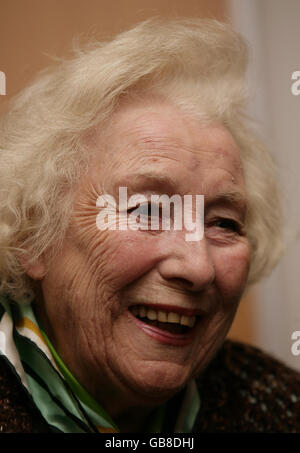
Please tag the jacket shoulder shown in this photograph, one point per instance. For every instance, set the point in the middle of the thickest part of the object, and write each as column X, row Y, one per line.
column 18, row 413
column 246, row 390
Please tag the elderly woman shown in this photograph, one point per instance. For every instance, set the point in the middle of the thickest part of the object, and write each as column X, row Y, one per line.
column 110, row 324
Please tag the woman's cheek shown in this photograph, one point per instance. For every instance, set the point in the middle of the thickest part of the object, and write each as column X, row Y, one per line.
column 130, row 255
column 231, row 269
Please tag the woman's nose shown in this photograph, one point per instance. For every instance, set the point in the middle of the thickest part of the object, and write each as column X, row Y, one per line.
column 188, row 264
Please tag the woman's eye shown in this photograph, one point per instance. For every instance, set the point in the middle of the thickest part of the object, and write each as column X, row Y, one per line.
column 147, row 210
column 147, row 215
column 228, row 224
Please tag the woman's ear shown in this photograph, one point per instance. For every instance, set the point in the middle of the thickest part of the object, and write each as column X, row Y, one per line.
column 33, row 267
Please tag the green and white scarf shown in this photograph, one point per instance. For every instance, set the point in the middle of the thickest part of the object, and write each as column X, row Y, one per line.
column 63, row 402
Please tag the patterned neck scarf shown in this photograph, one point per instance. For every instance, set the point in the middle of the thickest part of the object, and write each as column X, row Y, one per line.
column 61, row 399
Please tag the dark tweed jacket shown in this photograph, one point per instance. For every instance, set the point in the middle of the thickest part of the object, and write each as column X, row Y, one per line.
column 242, row 390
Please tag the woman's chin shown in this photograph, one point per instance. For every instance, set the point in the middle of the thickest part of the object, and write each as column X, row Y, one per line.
column 159, row 380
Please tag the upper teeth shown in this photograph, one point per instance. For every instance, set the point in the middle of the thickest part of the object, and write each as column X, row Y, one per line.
column 163, row 316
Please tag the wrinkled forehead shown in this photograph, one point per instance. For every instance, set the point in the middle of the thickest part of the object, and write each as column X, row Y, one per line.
column 158, row 133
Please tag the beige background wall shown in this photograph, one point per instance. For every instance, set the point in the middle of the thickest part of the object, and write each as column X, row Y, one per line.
column 33, row 30
column 30, row 30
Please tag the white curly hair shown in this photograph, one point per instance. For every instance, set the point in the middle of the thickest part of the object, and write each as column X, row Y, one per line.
column 199, row 65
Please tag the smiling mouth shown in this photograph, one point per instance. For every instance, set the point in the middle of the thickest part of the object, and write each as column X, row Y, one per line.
column 166, row 320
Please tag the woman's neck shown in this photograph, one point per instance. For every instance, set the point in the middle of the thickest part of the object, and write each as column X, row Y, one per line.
column 134, row 420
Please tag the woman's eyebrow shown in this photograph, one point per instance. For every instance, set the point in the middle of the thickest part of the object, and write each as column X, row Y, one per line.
column 234, row 199
column 150, row 181
column 140, row 181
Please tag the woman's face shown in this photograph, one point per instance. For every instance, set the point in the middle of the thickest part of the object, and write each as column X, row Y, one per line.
column 99, row 276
